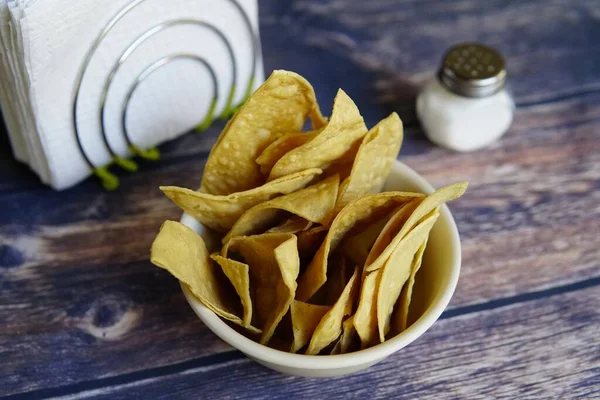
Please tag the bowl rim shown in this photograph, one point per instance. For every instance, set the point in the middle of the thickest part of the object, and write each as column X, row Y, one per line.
column 369, row 355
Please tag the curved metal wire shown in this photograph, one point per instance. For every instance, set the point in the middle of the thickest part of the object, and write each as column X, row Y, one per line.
column 255, row 47
column 109, row 180
column 149, row 71
column 128, row 164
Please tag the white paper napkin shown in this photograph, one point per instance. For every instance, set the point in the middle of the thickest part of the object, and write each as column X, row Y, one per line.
column 43, row 47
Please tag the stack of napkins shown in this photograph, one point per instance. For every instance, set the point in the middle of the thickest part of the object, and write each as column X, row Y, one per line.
column 156, row 68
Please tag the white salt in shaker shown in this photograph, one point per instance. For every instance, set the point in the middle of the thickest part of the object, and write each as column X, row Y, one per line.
column 466, row 106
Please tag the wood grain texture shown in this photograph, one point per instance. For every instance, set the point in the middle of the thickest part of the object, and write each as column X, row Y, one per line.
column 548, row 348
column 80, row 303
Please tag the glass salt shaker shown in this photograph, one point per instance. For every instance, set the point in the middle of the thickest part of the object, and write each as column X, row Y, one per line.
column 466, row 107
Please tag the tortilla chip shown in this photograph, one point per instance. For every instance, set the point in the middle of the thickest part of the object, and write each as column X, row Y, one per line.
column 368, row 208
column 357, row 245
column 305, row 318
column 180, row 250
column 314, row 203
column 428, row 204
column 330, row 326
column 390, row 230
column 396, row 272
column 343, row 165
column 400, row 313
column 239, row 277
column 374, row 161
column 221, row 212
column 281, row 104
column 345, row 127
column 269, row 157
column 310, row 240
column 365, row 318
column 273, row 264
column 294, row 224
column 347, row 337
column 337, row 346
column 340, row 272
column 338, row 279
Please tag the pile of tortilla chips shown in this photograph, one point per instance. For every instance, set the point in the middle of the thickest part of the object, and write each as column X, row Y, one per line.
column 314, row 258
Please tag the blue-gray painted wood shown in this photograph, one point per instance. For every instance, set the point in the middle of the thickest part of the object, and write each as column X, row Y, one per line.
column 539, row 349
column 81, row 308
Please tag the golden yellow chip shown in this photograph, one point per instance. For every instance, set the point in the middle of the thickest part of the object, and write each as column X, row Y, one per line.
column 396, row 272
column 239, row 277
column 310, row 240
column 374, row 160
column 314, row 203
column 269, row 157
column 179, row 250
column 340, row 272
column 294, row 224
column 340, row 275
column 365, row 318
column 345, row 127
column 330, row 327
column 391, row 229
column 357, row 245
column 431, row 202
column 221, row 212
column 400, row 314
column 325, row 268
column 273, row 264
column 368, row 208
column 343, row 165
column 345, row 340
column 280, row 105
column 305, row 318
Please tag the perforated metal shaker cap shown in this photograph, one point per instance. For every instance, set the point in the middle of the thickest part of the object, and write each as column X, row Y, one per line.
column 472, row 70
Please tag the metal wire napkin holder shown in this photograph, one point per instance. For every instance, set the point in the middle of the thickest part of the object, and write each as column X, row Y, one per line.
column 108, row 179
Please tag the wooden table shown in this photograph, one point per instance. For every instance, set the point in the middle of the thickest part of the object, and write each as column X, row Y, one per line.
column 83, row 312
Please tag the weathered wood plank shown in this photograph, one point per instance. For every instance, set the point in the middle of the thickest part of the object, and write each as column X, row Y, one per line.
column 527, row 221
column 519, row 186
column 113, row 318
column 547, row 348
column 382, row 51
column 79, row 301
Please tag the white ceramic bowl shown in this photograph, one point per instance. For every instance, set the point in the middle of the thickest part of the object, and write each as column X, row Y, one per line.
column 434, row 286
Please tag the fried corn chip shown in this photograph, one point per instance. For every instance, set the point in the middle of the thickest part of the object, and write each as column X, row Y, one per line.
column 400, row 314
column 305, row 318
column 273, row 264
column 337, row 282
column 180, row 250
column 358, row 245
column 221, row 212
column 340, row 272
column 361, row 210
column 359, row 250
column 345, row 340
column 294, row 224
column 310, row 240
column 314, row 203
column 343, row 165
column 330, row 327
column 345, row 127
column 239, row 277
column 431, row 202
column 391, row 229
column 273, row 153
column 365, row 318
column 280, row 105
column 374, row 160
column 396, row 272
